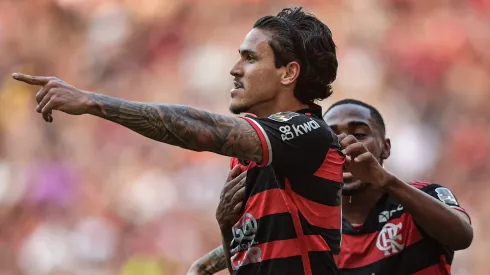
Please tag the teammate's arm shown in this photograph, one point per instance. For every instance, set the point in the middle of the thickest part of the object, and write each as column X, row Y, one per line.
column 448, row 226
column 213, row 262
column 230, row 208
column 177, row 125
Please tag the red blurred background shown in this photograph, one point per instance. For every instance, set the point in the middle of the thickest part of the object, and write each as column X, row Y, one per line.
column 84, row 196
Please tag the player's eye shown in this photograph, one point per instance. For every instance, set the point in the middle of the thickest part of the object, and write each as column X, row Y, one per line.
column 359, row 136
column 250, row 58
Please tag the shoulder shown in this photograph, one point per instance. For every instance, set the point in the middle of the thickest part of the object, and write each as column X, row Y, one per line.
column 428, row 187
column 295, row 118
column 285, row 116
column 421, row 184
column 300, row 125
column 437, row 191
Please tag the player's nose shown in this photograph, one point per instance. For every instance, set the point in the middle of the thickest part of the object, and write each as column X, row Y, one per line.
column 237, row 70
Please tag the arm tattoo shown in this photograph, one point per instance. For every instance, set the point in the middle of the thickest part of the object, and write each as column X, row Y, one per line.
column 213, row 262
column 183, row 126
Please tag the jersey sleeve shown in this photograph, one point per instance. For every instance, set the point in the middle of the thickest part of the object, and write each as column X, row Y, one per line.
column 444, row 195
column 233, row 162
column 290, row 140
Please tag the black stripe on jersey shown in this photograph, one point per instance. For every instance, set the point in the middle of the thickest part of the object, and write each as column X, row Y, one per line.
column 331, row 236
column 323, row 191
column 280, row 266
column 262, row 179
column 416, row 257
column 275, row 228
column 322, row 261
column 372, row 224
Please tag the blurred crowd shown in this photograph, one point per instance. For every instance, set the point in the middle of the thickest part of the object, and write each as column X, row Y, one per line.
column 85, row 196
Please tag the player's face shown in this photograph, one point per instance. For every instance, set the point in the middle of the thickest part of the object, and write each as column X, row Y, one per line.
column 256, row 79
column 357, row 121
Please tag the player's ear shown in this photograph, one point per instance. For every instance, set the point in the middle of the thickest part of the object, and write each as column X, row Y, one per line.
column 290, row 73
column 385, row 153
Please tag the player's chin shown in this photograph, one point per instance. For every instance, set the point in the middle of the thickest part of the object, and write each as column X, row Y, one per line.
column 354, row 187
column 237, row 106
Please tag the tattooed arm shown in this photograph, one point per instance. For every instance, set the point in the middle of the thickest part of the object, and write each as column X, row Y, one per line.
column 182, row 126
column 210, row 263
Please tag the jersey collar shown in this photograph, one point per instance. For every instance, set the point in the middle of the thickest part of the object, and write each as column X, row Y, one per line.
column 371, row 223
column 312, row 110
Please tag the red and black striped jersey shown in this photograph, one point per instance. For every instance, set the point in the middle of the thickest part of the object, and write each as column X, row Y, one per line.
column 292, row 216
column 391, row 242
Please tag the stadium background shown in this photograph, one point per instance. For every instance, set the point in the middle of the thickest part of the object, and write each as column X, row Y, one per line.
column 84, row 196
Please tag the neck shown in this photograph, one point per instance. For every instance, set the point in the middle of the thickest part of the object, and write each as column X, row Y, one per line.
column 356, row 208
column 276, row 105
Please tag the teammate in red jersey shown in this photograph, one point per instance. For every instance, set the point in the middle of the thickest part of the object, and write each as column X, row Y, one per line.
column 389, row 226
column 286, row 63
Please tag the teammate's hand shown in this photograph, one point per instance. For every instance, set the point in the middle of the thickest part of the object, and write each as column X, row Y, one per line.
column 231, row 199
column 361, row 163
column 56, row 95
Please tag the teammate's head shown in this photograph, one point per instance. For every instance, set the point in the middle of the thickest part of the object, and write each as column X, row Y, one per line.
column 354, row 117
column 290, row 55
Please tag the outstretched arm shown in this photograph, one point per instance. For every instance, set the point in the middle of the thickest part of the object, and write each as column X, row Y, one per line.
column 178, row 125
column 182, row 126
column 213, row 262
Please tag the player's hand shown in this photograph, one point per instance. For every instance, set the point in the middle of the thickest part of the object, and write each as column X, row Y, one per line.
column 56, row 95
column 361, row 163
column 231, row 199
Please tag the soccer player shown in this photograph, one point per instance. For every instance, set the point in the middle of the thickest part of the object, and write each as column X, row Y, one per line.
column 389, row 226
column 292, row 219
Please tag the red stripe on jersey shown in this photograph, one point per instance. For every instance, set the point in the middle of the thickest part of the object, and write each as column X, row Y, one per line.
column 461, row 210
column 420, row 184
column 263, row 141
column 315, row 243
column 317, row 214
column 234, row 162
column 277, row 249
column 442, row 268
column 293, row 206
column 266, row 203
column 363, row 249
column 332, row 166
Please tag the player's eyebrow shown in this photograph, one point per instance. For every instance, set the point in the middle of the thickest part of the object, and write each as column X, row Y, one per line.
column 247, row 52
column 358, row 123
column 355, row 123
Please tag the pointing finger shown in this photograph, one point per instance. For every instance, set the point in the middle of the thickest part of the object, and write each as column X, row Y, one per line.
column 33, row 80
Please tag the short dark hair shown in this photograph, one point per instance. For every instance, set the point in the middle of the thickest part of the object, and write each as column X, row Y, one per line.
column 301, row 37
column 374, row 112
